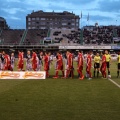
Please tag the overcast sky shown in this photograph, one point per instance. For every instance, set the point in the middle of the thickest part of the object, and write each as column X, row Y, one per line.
column 105, row 12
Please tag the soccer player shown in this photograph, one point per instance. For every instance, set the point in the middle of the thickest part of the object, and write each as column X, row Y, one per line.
column 108, row 59
column 28, row 62
column 40, row 57
column 80, row 65
column 20, row 60
column 12, row 58
column 70, row 64
column 89, row 65
column 103, row 65
column 50, row 59
column 7, row 65
column 96, row 64
column 66, row 65
column 2, row 60
column 59, row 65
column 34, row 60
column 118, row 64
column 46, row 63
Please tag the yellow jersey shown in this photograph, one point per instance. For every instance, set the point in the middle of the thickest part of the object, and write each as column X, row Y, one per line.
column 97, row 59
column 108, row 57
column 118, row 58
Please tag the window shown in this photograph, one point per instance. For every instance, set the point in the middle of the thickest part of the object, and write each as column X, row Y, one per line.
column 33, row 23
column 33, row 27
column 37, row 18
column 33, row 18
column 77, row 24
column 42, row 18
column 42, row 27
column 29, row 23
column 73, row 23
column 77, row 20
column 69, row 23
column 42, row 23
column 29, row 19
column 64, row 24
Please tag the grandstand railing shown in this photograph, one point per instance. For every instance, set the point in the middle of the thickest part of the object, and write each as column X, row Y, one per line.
column 23, row 37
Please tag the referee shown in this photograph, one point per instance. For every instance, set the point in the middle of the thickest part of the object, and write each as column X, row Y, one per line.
column 108, row 59
column 118, row 64
column 97, row 64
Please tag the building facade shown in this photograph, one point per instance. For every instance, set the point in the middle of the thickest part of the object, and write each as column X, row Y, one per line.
column 3, row 23
column 49, row 20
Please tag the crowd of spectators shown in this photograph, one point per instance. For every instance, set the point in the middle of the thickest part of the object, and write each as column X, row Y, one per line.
column 100, row 35
column 97, row 35
column 91, row 35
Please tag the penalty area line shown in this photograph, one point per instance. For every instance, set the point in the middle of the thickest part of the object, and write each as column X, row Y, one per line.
column 114, row 82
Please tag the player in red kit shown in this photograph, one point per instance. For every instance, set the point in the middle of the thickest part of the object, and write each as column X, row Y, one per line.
column 46, row 64
column 69, row 64
column 20, row 60
column 7, row 65
column 34, row 60
column 59, row 65
column 89, row 65
column 80, row 65
column 103, row 66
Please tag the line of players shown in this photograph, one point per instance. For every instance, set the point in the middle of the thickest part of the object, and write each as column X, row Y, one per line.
column 36, row 61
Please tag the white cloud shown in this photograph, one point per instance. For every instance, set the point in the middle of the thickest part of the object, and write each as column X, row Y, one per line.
column 15, row 18
column 12, row 0
column 12, row 10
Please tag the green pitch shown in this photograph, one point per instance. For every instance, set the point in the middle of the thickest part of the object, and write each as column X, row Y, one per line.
column 60, row 99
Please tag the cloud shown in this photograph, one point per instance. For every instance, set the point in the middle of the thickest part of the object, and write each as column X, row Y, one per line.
column 100, row 18
column 109, row 5
column 100, row 10
column 12, row 10
column 15, row 18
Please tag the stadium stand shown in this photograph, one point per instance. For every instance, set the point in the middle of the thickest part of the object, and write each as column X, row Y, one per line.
column 100, row 35
column 96, row 36
column 35, row 36
column 11, row 36
column 67, row 36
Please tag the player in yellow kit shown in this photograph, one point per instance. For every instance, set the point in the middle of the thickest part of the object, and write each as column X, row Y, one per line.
column 97, row 64
column 108, row 59
column 118, row 64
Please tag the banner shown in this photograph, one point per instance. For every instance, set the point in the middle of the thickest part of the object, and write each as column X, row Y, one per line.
column 85, row 47
column 116, row 47
column 22, row 75
column 101, row 47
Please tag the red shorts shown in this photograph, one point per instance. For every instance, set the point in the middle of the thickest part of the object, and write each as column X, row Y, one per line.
column 34, row 67
column 103, row 67
column 88, row 68
column 80, row 68
column 8, row 67
column 46, row 67
column 60, row 67
column 20, row 66
column 69, row 67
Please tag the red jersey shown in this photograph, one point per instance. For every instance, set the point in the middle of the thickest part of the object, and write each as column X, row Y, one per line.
column 89, row 60
column 20, row 57
column 70, row 59
column 103, row 59
column 46, row 60
column 60, row 60
column 80, row 59
column 34, row 58
column 7, row 60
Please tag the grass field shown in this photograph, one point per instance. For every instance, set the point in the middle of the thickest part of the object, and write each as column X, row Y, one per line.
column 60, row 99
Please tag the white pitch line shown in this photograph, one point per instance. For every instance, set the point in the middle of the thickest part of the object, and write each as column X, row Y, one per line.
column 114, row 83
